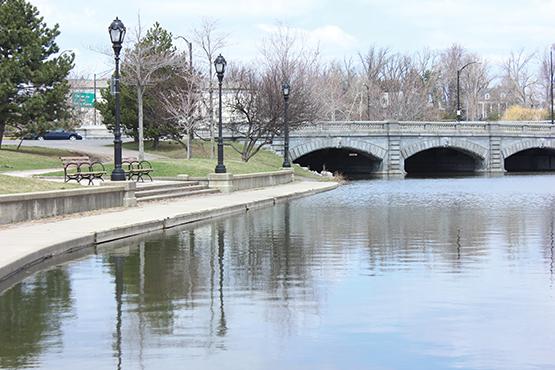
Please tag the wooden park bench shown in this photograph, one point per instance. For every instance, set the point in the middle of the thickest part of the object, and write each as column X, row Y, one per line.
column 136, row 169
column 79, row 168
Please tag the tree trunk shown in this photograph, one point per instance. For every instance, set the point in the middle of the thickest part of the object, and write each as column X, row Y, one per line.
column 156, row 142
column 188, row 145
column 191, row 138
column 2, row 127
column 245, row 151
column 140, row 129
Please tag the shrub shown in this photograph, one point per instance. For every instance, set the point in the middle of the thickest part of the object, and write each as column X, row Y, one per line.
column 519, row 113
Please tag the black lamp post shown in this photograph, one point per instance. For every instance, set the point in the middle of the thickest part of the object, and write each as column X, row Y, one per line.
column 285, row 89
column 459, row 113
column 220, row 64
column 117, row 34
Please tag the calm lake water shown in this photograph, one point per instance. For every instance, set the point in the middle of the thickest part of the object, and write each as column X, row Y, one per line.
column 408, row 274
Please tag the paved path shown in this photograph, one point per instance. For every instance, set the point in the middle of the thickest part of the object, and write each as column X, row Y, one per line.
column 22, row 245
column 31, row 173
column 100, row 148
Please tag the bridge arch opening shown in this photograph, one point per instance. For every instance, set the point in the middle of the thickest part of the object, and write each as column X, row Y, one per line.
column 351, row 163
column 442, row 160
column 531, row 160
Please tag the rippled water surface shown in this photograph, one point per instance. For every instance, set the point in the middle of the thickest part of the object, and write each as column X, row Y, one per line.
column 408, row 274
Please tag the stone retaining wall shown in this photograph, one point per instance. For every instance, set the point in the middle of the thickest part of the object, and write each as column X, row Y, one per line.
column 32, row 206
column 227, row 182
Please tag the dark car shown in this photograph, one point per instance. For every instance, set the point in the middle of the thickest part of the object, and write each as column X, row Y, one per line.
column 59, row 134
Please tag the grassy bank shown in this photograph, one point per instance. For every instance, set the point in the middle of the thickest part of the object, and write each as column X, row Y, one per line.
column 12, row 185
column 200, row 165
column 30, row 158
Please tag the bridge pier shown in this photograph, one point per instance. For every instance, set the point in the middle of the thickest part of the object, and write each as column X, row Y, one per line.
column 394, row 165
column 496, row 162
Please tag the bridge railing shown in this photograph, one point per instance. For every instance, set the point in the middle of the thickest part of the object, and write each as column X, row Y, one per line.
column 540, row 128
column 432, row 128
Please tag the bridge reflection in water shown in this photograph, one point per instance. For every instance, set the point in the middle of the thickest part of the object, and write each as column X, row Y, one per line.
column 436, row 274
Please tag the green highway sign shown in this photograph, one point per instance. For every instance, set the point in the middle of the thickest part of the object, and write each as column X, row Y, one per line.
column 82, row 99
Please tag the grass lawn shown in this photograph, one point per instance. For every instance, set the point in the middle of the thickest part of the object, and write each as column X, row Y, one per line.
column 30, row 158
column 201, row 164
column 11, row 185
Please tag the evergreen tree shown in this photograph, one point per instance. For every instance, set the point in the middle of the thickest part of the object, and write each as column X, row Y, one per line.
column 151, row 63
column 33, row 85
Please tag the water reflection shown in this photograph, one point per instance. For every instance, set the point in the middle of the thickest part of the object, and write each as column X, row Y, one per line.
column 381, row 274
column 31, row 315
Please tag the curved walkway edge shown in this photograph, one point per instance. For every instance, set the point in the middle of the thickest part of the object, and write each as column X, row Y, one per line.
column 30, row 244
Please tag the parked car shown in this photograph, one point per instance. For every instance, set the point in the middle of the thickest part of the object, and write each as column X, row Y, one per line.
column 59, row 134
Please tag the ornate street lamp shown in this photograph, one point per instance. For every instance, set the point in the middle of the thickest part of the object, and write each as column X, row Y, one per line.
column 285, row 88
column 220, row 64
column 459, row 112
column 117, row 34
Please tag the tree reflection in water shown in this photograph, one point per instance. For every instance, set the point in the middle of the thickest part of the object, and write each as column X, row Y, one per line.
column 201, row 291
column 31, row 315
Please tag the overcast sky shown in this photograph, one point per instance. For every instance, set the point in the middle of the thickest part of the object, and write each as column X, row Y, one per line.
column 491, row 28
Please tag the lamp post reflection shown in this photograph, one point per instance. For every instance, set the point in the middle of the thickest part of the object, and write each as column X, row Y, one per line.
column 222, row 327
column 118, row 264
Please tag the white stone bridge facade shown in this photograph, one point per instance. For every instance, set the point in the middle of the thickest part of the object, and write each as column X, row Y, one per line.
column 391, row 144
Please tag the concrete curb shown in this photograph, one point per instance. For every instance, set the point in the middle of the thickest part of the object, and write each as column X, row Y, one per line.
column 12, row 271
column 44, row 254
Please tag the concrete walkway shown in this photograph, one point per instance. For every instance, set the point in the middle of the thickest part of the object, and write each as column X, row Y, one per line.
column 31, row 173
column 24, row 245
column 100, row 148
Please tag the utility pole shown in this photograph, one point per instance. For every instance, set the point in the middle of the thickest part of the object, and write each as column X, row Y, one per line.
column 459, row 112
column 190, row 46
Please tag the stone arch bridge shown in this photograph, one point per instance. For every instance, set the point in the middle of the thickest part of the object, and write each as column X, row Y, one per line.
column 395, row 148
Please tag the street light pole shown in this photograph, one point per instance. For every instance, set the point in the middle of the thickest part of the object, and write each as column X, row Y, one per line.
column 285, row 89
column 220, row 64
column 190, row 46
column 117, row 34
column 459, row 113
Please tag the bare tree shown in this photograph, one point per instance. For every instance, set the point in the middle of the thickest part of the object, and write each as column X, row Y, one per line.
column 476, row 81
column 257, row 102
column 518, row 79
column 399, row 86
column 143, row 63
column 211, row 41
column 373, row 64
column 544, row 76
column 340, row 92
column 182, row 101
column 450, row 60
column 254, row 111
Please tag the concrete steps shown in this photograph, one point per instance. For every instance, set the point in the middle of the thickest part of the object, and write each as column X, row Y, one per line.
column 182, row 189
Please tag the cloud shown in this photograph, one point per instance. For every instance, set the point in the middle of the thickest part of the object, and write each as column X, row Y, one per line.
column 226, row 8
column 327, row 36
column 491, row 28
